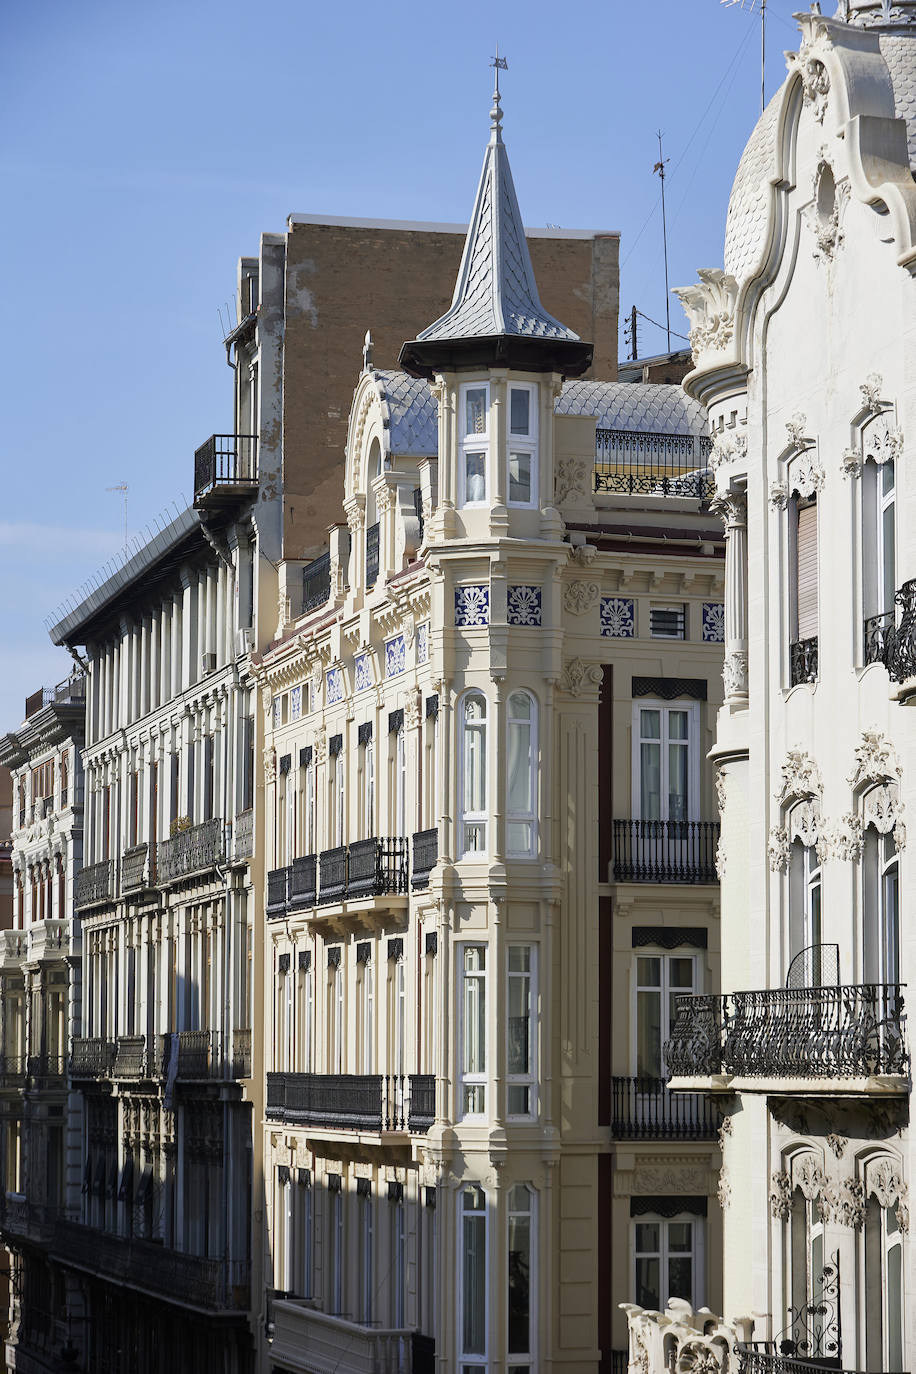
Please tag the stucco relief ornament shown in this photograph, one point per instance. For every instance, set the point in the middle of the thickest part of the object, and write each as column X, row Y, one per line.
column 721, row 858
column 710, row 308
column 826, row 211
column 876, row 759
column 807, row 474
column 801, row 777
column 578, row 675
column 882, row 443
column 796, row 432
column 810, row 1177
column 815, row 81
column 884, row 1180
column 837, row 1143
column 852, row 463
column 871, row 390
column 882, row 808
column 321, row 745
column 580, row 597
column 844, row 1202
column 270, row 763
column 778, row 849
column 780, row 1196
column 722, row 451
column 572, row 480
column 721, row 792
column 734, row 673
column 724, row 1189
column 779, row 495
column 846, row 838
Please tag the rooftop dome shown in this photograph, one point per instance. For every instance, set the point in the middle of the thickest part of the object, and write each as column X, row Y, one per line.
column 745, row 225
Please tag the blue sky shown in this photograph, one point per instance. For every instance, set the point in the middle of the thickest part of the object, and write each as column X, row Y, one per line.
column 145, row 147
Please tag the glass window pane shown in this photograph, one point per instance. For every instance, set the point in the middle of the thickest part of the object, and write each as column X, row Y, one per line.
column 677, row 724
column 650, row 782
column 650, row 724
column 519, row 410
column 677, row 782
column 894, row 1305
column 519, row 772
column 519, row 1099
column 647, row 1236
column 521, row 838
column 887, row 477
column 649, row 972
column 520, row 478
column 519, row 958
column 680, row 1237
column 518, row 1059
column 680, row 1279
column 647, row 1287
column 474, row 1283
column 680, row 973
column 519, row 1283
column 648, row 1034
column 475, row 483
column 520, row 706
column 476, row 410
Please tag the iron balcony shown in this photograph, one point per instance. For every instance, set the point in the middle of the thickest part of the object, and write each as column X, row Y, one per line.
column 225, row 469
column 665, row 851
column 803, row 661
column 316, row 583
column 353, row 1101
column 376, row 867
column 644, row 1109
column 425, row 856
column 839, row 1032
column 195, row 850
column 186, row 1056
column 95, row 885
column 653, row 464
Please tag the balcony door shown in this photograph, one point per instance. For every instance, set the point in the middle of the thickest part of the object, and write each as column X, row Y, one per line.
column 880, row 908
column 666, row 773
column 660, row 980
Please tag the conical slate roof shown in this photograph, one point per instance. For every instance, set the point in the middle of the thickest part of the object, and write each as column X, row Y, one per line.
column 496, row 316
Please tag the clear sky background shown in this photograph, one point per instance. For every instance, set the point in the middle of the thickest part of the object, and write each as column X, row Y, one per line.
column 146, row 146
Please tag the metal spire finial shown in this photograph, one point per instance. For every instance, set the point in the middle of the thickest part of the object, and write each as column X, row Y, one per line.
column 496, row 115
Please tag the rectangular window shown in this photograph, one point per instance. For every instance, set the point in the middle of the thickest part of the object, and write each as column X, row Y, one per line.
column 879, row 578
column 880, row 908
column 398, row 1258
column 306, row 1012
column 520, row 1276
column 366, row 980
column 521, row 1091
column 523, row 454
column 473, row 774
column 521, row 790
column 666, row 1253
column 666, row 766
column 473, row 1030
column 367, row 1240
column 335, row 1243
column 668, row 622
column 474, row 416
column 806, row 588
column 473, row 1271
column 660, row 980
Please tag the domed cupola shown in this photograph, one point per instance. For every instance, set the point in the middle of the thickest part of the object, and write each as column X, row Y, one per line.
column 496, row 318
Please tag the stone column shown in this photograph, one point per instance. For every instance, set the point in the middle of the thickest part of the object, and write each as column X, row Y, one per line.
column 732, row 509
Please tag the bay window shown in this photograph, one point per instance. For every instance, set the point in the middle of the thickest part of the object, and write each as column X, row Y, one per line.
column 472, row 780
column 521, row 790
column 522, row 446
column 474, row 419
column 473, row 1030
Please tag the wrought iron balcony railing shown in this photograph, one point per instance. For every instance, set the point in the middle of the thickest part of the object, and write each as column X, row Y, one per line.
column 277, row 891
column 758, row 1359
column 847, row 1031
column 644, row 1109
column 142, row 1264
column 377, row 867
column 241, row 1054
column 665, row 851
column 13, row 1070
column 877, row 634
column 138, row 868
column 243, row 835
column 47, row 1068
column 353, row 1102
column 130, row 1059
column 191, row 851
column 92, row 1057
column 227, row 463
column 303, row 882
column 653, row 464
column 332, row 874
column 425, row 856
column 418, row 512
column 72, row 689
column 803, row 661
column 372, row 555
column 316, row 582
column 95, row 884
column 900, row 657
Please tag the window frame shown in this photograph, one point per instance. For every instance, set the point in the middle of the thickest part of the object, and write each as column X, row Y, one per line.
column 476, row 1359
column 473, row 443
column 524, row 445
column 528, row 1080
column 697, row 1253
column 528, row 817
column 665, row 708
column 475, row 1079
column 517, row 1359
column 477, row 819
column 665, row 989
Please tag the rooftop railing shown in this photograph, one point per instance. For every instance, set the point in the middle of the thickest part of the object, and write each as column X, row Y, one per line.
column 846, row 1031
column 71, row 689
column 649, row 464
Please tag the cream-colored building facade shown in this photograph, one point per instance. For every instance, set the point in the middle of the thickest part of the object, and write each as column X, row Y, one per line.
column 803, row 352
column 491, row 847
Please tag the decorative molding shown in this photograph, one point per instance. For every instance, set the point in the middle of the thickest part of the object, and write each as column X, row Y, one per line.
column 837, row 1143
column 876, row 760
column 472, row 605
column 852, row 463
column 801, row 777
column 884, row 1181
column 844, row 1203
column 780, row 1195
column 270, row 763
column 719, row 779
column 871, row 390
column 882, row 808
column 808, row 1175
column 724, row 1190
column 779, row 495
column 844, row 840
column 579, row 597
column 720, row 859
column 726, row 447
column 880, row 442
column 579, row 675
column 779, row 848
column 713, row 622
column 814, row 77
column 668, row 688
column 735, row 673
column 730, row 506
column 669, row 937
column 710, row 308
column 806, row 476
column 572, row 480
column 826, row 227
column 395, row 656
column 796, row 428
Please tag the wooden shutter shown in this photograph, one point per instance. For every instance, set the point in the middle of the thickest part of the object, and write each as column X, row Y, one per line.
column 806, row 565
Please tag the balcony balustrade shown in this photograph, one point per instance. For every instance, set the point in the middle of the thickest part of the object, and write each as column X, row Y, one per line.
column 847, row 1031
column 47, row 1069
column 198, row 1055
column 372, row 555
column 316, row 583
column 900, row 654
column 241, row 1054
column 665, row 851
column 304, row 1336
column 303, row 882
column 877, row 636
column 195, row 850
column 243, row 835
column 761, row 1357
column 225, row 465
column 138, row 868
column 803, row 661
column 353, row 1102
column 425, row 856
column 130, row 1059
column 332, row 874
column 13, row 1070
column 214, row 1284
column 377, row 867
column 92, row 1057
column 95, row 884
column 277, row 891
column 72, row 689
column 644, row 1109
column 653, row 464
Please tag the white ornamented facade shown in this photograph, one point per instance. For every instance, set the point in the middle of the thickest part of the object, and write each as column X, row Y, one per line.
column 808, row 1048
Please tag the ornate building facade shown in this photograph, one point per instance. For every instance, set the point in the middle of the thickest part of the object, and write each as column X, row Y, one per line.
column 803, row 353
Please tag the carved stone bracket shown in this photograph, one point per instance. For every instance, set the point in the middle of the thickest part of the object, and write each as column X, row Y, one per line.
column 579, row 676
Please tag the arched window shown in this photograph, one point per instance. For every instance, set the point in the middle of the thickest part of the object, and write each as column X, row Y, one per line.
column 472, row 823
column 521, row 789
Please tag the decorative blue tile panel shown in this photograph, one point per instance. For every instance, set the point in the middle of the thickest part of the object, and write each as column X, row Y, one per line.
column 362, row 673
column 713, row 622
column 472, row 605
column 295, row 703
column 523, row 606
column 395, row 656
column 617, row 618
column 277, row 708
column 423, row 643
column 335, row 685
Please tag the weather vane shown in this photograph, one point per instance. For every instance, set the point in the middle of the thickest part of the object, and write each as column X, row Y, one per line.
column 500, row 64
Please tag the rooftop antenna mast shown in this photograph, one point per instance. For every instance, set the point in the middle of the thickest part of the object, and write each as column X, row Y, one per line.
column 756, row 7
column 660, row 168
column 122, row 488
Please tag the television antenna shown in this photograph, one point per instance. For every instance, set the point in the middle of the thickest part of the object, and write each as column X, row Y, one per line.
column 122, row 488
column 660, row 168
column 756, row 7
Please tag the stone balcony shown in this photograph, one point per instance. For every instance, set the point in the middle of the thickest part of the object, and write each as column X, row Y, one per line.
column 307, row 1340
column 826, row 1040
column 14, row 948
column 49, row 940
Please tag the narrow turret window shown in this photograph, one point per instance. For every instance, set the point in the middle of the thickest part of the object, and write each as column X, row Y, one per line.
column 522, row 446
column 474, row 420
